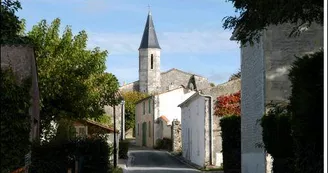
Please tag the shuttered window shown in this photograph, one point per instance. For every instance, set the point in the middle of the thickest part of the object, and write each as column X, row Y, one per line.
column 149, row 106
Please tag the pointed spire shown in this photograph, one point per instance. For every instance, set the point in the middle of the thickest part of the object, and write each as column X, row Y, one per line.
column 149, row 38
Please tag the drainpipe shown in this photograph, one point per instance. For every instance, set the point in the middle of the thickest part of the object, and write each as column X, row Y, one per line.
column 115, row 149
column 153, row 97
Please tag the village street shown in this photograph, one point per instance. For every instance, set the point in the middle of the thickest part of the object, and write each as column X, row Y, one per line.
column 154, row 161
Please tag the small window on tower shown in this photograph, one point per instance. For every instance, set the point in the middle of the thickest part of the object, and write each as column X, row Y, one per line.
column 151, row 61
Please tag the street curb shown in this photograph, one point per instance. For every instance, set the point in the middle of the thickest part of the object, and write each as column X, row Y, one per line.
column 192, row 165
column 184, row 161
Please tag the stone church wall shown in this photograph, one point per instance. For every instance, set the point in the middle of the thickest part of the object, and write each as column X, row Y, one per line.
column 223, row 89
column 175, row 78
column 134, row 86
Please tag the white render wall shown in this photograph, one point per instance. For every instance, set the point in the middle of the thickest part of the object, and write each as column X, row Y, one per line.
column 169, row 101
column 252, row 108
column 193, row 120
column 167, row 104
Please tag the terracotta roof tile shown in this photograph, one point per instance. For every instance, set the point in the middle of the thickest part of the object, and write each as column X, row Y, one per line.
column 164, row 118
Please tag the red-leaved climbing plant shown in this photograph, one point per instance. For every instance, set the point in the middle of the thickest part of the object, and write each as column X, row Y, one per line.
column 228, row 105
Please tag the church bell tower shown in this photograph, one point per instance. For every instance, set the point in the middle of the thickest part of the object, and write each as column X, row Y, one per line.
column 149, row 59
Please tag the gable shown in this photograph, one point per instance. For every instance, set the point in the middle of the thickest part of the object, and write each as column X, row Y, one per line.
column 174, row 78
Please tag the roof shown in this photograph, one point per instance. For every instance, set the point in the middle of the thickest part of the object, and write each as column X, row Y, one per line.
column 149, row 38
column 191, row 97
column 163, row 117
column 108, row 129
column 174, row 69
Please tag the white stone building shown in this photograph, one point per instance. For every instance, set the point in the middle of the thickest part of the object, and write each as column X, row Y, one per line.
column 197, row 131
column 264, row 70
column 154, row 115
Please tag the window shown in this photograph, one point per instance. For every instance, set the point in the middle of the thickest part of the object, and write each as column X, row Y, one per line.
column 149, row 106
column 149, row 128
column 138, row 130
column 151, row 61
column 81, row 131
column 144, row 107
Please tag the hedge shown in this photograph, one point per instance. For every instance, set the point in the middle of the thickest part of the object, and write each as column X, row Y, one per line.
column 57, row 157
column 123, row 149
column 277, row 138
column 306, row 106
column 164, row 143
column 230, row 127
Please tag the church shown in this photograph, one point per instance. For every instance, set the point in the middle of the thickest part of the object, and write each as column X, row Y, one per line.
column 155, row 114
column 151, row 79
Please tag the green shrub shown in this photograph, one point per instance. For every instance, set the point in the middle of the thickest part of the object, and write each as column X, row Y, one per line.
column 277, row 139
column 164, row 143
column 117, row 170
column 15, row 121
column 92, row 155
column 306, row 106
column 123, row 149
column 159, row 144
column 230, row 126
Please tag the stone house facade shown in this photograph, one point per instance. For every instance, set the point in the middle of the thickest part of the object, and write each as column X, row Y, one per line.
column 264, row 70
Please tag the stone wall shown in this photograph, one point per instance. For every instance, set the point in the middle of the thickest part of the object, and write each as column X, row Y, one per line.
column 220, row 90
column 280, row 52
column 207, row 132
column 134, row 86
column 223, row 89
column 176, row 136
column 174, row 78
column 265, row 67
column 149, row 78
column 109, row 111
column 22, row 61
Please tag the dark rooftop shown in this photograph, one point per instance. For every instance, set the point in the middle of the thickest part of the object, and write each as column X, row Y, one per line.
column 149, row 38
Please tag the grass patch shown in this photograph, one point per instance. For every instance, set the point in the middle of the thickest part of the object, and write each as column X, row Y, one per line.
column 212, row 169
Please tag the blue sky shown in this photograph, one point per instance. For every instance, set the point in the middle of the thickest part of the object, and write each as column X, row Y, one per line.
column 190, row 32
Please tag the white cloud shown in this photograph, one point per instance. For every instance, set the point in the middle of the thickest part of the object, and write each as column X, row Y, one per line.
column 171, row 42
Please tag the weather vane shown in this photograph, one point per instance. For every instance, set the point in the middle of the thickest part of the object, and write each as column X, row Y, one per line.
column 148, row 7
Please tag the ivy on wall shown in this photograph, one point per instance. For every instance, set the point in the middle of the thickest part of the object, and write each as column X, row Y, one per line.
column 15, row 120
column 228, row 105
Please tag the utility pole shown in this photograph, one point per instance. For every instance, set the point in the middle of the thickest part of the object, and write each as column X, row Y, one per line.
column 115, row 158
column 123, row 121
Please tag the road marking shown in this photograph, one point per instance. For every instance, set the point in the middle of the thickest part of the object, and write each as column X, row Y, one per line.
column 161, row 168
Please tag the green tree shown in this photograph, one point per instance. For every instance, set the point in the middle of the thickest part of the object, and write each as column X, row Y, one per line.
column 131, row 98
column 11, row 26
column 72, row 81
column 256, row 15
column 236, row 75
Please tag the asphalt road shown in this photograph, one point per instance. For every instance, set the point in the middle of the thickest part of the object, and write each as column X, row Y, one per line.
column 146, row 161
